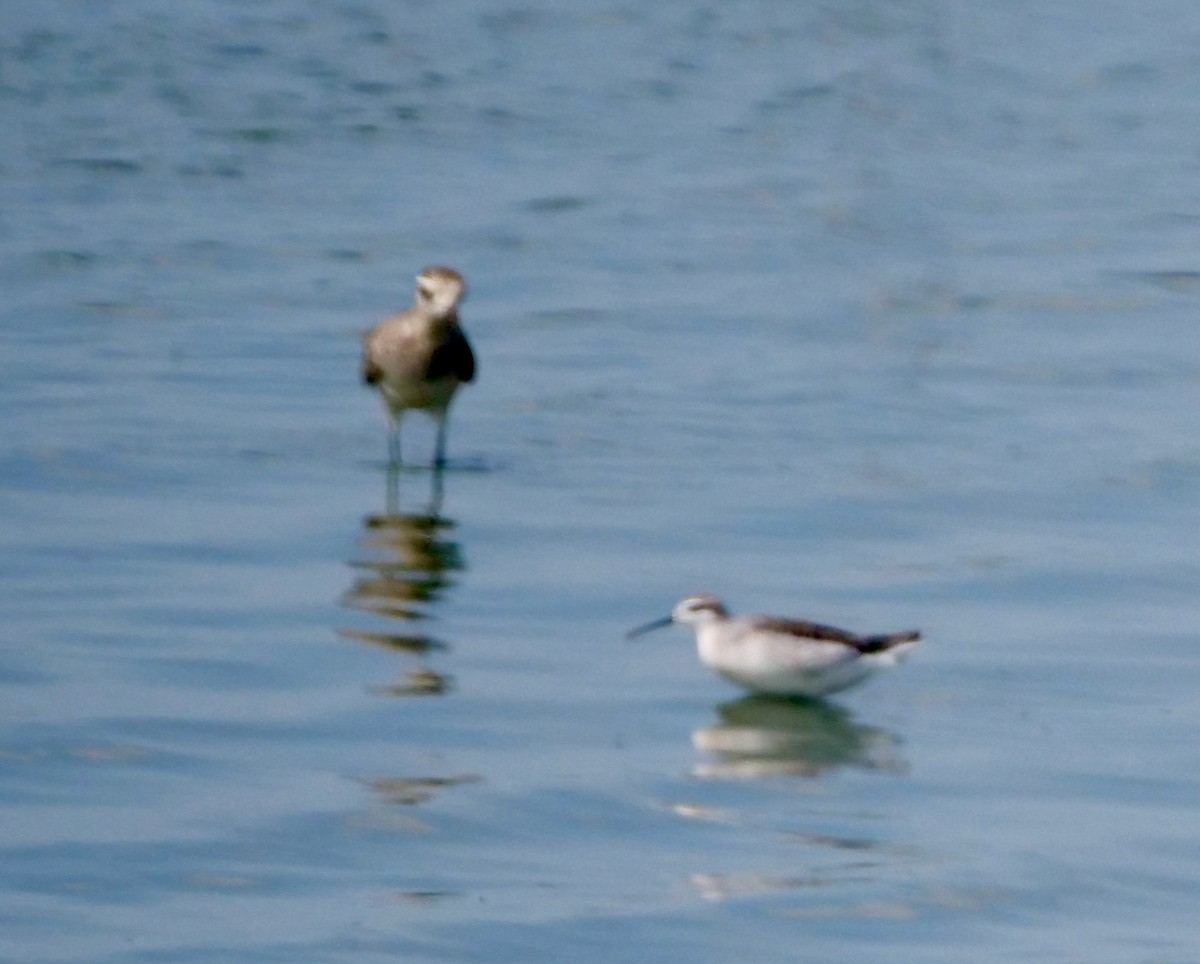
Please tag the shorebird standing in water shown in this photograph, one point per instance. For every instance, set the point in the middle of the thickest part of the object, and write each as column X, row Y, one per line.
column 418, row 358
column 786, row 657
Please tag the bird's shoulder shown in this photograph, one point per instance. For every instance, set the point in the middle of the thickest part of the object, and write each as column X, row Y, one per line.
column 397, row 327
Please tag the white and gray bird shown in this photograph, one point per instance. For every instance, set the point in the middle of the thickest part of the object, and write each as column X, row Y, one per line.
column 418, row 358
column 785, row 657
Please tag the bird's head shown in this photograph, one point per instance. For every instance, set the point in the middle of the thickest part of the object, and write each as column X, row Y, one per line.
column 439, row 290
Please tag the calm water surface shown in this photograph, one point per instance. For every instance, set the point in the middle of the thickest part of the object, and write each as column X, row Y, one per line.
column 878, row 313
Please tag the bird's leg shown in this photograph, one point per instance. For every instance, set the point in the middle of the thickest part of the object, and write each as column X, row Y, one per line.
column 435, row 492
column 439, row 457
column 393, row 490
column 393, row 440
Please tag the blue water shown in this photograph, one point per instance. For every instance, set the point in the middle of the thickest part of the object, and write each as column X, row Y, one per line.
column 881, row 314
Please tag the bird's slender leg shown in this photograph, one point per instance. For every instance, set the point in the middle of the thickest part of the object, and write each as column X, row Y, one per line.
column 393, row 489
column 393, row 439
column 435, row 492
column 439, row 457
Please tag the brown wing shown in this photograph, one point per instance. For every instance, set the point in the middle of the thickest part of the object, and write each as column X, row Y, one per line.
column 371, row 372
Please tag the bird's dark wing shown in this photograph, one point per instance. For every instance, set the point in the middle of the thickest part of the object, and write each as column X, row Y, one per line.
column 864, row 644
column 884, row 641
column 453, row 357
column 806, row 630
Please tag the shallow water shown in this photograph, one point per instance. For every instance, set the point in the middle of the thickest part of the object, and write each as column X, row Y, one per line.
column 878, row 314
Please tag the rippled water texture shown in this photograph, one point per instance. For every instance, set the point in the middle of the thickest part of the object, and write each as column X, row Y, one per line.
column 882, row 314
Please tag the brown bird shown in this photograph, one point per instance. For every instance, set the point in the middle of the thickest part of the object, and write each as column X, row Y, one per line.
column 418, row 358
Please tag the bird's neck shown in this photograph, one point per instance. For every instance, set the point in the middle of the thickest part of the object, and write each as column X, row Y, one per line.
column 708, row 645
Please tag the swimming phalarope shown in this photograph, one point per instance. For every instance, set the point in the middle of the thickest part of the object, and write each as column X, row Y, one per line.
column 768, row 654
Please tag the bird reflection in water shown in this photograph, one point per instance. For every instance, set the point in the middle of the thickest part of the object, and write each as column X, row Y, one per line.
column 766, row 736
column 408, row 567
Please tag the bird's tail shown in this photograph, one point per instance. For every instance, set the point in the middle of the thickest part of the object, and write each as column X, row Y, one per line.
column 885, row 641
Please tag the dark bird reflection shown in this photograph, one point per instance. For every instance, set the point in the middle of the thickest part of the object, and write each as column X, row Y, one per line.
column 765, row 736
column 410, row 791
column 407, row 565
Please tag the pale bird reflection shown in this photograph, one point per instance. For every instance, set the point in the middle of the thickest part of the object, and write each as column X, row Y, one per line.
column 830, row 863
column 765, row 736
column 717, row 888
column 721, row 887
